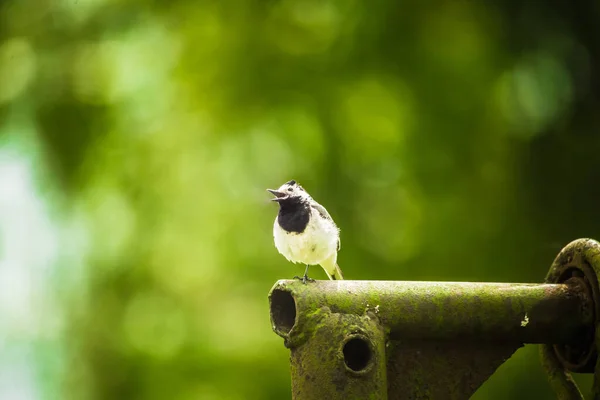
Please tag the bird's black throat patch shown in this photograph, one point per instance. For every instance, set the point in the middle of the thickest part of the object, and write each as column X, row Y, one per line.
column 294, row 214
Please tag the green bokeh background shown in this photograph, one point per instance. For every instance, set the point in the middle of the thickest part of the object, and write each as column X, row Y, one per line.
column 450, row 140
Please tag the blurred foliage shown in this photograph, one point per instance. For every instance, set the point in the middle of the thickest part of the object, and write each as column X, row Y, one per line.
column 450, row 140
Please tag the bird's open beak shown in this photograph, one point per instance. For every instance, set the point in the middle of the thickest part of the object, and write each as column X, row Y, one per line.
column 278, row 195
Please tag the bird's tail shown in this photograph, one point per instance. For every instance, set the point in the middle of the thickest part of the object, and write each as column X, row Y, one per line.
column 332, row 270
column 337, row 274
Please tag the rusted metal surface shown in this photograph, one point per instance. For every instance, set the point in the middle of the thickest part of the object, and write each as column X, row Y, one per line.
column 438, row 340
column 578, row 261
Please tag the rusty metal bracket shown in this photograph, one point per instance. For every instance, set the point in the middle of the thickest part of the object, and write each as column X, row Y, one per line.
column 437, row 340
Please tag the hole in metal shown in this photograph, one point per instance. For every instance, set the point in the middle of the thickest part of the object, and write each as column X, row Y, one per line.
column 283, row 310
column 580, row 356
column 357, row 354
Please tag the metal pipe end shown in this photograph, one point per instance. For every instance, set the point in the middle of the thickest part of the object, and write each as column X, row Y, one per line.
column 282, row 309
column 578, row 264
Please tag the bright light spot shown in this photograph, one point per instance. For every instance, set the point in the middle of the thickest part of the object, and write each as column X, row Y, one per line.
column 525, row 321
column 112, row 70
column 534, row 94
column 17, row 377
column 28, row 245
column 28, row 251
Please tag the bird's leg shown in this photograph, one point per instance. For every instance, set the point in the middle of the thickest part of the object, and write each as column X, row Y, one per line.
column 305, row 278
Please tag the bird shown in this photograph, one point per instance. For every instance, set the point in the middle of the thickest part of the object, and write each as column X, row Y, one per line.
column 304, row 232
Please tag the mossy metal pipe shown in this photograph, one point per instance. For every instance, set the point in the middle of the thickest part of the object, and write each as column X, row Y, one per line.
column 438, row 339
column 503, row 312
column 344, row 358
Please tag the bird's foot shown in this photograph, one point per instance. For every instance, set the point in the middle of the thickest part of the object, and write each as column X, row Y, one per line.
column 304, row 279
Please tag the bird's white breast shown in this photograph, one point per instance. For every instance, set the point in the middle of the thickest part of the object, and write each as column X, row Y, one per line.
column 316, row 243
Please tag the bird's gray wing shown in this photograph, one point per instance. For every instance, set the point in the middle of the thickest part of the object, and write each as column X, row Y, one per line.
column 323, row 211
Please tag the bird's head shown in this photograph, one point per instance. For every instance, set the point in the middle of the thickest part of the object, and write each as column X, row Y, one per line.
column 289, row 192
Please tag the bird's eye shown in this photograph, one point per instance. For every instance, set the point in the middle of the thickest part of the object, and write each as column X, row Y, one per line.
column 289, row 189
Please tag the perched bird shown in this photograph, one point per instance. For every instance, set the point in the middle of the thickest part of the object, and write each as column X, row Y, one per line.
column 304, row 232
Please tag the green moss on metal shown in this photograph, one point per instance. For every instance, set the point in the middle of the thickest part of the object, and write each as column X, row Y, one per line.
column 318, row 367
column 560, row 380
column 451, row 310
column 433, row 339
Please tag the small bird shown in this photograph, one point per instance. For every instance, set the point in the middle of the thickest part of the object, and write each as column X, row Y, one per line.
column 304, row 232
